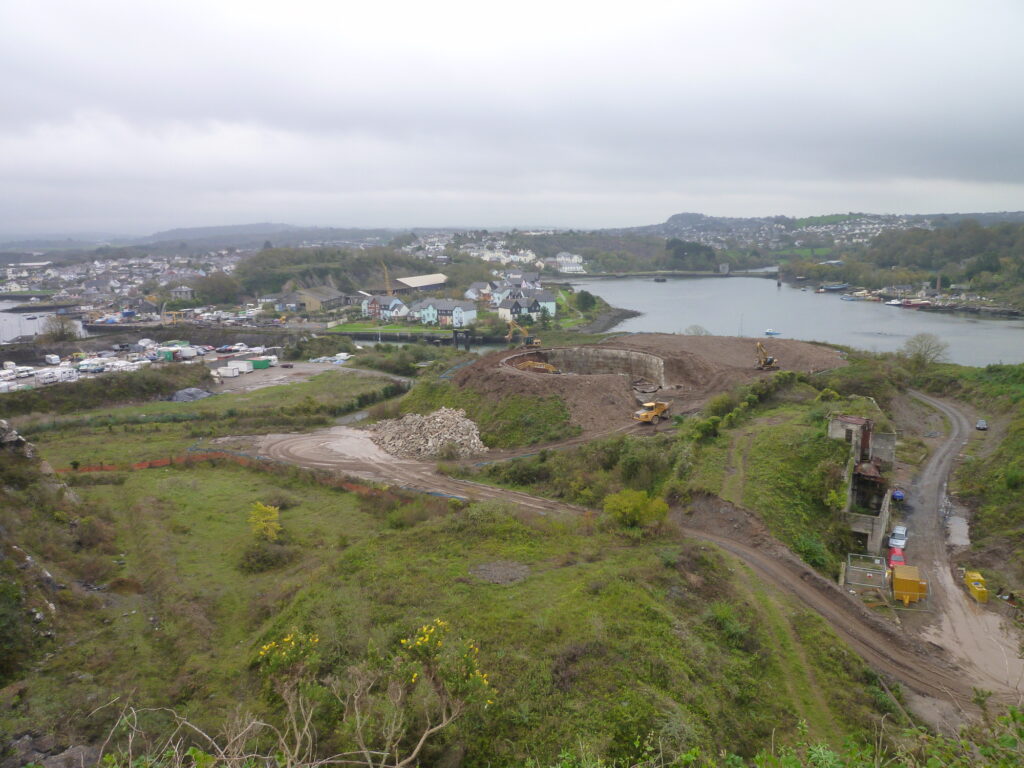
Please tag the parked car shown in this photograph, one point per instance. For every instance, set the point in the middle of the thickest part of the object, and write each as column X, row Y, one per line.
column 982, row 425
column 896, row 557
column 898, row 537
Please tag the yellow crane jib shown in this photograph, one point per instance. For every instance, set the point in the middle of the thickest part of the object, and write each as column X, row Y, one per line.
column 528, row 340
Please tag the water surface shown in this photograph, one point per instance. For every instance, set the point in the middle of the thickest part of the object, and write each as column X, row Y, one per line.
column 747, row 306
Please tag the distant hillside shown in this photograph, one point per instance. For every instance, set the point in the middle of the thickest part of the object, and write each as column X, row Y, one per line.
column 205, row 233
column 681, row 224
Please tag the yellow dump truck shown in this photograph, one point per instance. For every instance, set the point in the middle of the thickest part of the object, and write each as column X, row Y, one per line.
column 975, row 584
column 651, row 413
column 907, row 584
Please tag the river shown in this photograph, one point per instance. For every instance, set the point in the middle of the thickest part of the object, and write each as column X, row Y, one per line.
column 747, row 306
column 14, row 324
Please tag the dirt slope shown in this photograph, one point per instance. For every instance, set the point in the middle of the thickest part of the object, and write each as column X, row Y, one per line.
column 696, row 367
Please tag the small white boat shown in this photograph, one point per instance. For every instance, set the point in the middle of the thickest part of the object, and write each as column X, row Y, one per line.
column 772, row 332
column 894, row 303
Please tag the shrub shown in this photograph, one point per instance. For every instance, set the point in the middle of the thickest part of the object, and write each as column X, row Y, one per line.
column 93, row 532
column 15, row 639
column 281, row 499
column 262, row 555
column 719, row 405
column 264, row 521
column 635, row 509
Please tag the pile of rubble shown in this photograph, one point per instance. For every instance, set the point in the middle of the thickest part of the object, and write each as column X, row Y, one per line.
column 11, row 441
column 445, row 433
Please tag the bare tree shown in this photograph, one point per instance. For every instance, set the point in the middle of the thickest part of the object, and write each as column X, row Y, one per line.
column 59, row 328
column 924, row 350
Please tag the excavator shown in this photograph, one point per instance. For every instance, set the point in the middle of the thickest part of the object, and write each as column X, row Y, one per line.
column 765, row 362
column 528, row 340
column 537, row 366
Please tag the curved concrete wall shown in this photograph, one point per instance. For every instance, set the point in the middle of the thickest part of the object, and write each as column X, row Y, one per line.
column 591, row 360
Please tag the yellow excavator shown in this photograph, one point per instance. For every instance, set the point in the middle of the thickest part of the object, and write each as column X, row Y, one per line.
column 528, row 340
column 765, row 362
column 536, row 366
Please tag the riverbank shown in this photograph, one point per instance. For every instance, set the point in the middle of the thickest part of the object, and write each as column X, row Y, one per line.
column 748, row 306
column 608, row 320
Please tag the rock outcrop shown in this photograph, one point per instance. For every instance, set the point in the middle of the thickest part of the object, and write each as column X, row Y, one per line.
column 12, row 442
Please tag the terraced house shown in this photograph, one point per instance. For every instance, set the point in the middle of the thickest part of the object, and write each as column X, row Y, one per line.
column 384, row 308
column 444, row 312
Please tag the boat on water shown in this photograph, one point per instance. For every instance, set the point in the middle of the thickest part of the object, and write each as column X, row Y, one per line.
column 894, row 303
column 916, row 303
column 31, row 317
column 772, row 332
column 660, row 279
column 851, row 297
column 835, row 287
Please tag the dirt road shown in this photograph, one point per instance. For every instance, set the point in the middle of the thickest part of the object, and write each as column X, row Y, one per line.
column 944, row 668
column 975, row 636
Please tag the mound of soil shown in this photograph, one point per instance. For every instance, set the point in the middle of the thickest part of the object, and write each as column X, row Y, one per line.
column 696, row 367
column 593, row 401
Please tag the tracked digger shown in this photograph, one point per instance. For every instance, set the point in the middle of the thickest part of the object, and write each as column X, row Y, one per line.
column 515, row 328
column 765, row 362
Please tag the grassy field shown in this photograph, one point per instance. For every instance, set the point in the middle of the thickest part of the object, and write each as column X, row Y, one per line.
column 607, row 642
column 774, row 459
column 603, row 640
column 159, row 429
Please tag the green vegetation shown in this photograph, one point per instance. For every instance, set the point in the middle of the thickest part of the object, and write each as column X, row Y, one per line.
column 161, row 429
column 146, row 384
column 608, row 642
column 763, row 447
column 992, row 482
column 561, row 641
column 510, row 421
column 276, row 269
column 983, row 260
column 606, row 252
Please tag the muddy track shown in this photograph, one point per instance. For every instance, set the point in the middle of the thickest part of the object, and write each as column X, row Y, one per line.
column 884, row 650
column 921, row 666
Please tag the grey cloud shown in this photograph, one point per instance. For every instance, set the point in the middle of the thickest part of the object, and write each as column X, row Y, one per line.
column 136, row 116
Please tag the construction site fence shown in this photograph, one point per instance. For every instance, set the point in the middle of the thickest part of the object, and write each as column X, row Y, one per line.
column 234, row 457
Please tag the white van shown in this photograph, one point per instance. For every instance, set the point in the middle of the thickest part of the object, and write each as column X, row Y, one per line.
column 24, row 371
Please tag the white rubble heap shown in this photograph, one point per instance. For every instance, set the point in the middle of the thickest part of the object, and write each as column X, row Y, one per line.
column 446, row 432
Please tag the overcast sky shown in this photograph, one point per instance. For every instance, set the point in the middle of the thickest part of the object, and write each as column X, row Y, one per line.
column 143, row 115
